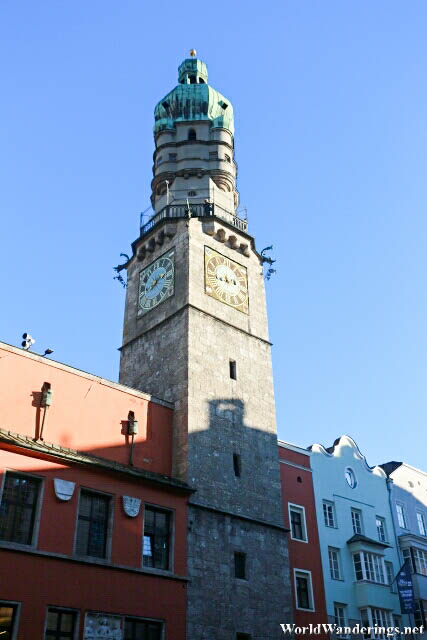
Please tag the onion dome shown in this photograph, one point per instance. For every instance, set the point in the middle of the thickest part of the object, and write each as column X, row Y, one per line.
column 193, row 100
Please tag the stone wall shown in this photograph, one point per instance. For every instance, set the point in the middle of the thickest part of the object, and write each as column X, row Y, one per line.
column 220, row 605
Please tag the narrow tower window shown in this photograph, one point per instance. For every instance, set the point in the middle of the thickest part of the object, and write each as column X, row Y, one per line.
column 236, row 465
column 240, row 565
column 233, row 370
column 192, row 134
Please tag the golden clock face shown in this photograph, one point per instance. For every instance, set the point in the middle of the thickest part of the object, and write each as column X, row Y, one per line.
column 226, row 280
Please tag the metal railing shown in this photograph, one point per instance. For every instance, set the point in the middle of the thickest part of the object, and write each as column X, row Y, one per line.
column 204, row 210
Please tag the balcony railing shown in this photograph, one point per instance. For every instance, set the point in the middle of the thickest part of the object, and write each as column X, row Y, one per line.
column 204, row 210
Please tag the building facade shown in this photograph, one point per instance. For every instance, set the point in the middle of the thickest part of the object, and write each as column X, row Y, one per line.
column 195, row 333
column 408, row 488
column 299, row 513
column 358, row 548
column 92, row 526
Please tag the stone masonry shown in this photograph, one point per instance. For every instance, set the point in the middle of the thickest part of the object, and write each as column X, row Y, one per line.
column 181, row 351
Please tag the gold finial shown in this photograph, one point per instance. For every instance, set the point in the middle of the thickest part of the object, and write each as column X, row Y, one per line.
column 193, row 53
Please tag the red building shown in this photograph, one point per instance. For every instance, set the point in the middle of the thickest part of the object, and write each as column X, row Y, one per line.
column 92, row 525
column 304, row 550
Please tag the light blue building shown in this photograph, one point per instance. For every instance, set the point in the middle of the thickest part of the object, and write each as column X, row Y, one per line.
column 358, row 546
column 409, row 507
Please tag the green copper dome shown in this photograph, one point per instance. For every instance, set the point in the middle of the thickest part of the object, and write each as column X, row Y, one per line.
column 193, row 99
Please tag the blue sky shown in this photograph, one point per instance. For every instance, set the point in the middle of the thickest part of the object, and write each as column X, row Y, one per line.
column 330, row 102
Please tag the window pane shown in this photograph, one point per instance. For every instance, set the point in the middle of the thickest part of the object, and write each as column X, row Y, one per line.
column 18, row 508
column 421, row 523
column 296, row 524
column 92, row 524
column 85, row 502
column 7, row 614
column 154, row 632
column 148, row 519
column 52, row 620
column 160, row 522
column 334, row 564
column 240, row 565
column 156, row 540
column 67, row 622
column 138, row 629
column 82, row 537
column 302, row 592
column 60, row 625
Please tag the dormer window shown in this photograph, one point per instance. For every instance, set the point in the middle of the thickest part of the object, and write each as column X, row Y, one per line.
column 192, row 134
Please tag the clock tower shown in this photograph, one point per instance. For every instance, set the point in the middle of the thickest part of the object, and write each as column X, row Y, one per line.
column 195, row 333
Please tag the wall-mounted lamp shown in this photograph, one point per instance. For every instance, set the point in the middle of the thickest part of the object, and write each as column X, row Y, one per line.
column 132, row 431
column 132, row 424
column 47, row 394
column 45, row 402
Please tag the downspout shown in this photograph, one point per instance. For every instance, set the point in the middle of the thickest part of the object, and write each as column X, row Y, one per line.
column 389, row 483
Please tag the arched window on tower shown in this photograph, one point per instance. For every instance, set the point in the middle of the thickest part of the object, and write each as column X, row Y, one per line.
column 192, row 134
column 193, row 79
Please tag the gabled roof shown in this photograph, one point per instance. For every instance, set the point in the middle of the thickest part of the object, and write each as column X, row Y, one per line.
column 346, row 440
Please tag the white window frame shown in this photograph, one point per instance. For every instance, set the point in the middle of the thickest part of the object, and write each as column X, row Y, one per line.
column 384, row 620
column 336, row 551
column 401, row 515
column 326, row 519
column 421, row 522
column 389, row 574
column 357, row 521
column 420, row 561
column 370, row 563
column 299, row 508
column 306, row 574
column 340, row 621
column 382, row 526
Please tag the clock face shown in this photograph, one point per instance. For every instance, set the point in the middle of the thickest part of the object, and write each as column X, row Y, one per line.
column 226, row 280
column 156, row 282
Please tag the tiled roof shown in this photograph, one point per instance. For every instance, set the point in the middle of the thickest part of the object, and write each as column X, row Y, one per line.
column 79, row 457
column 358, row 537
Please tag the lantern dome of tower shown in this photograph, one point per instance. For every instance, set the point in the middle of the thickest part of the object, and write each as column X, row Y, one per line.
column 193, row 99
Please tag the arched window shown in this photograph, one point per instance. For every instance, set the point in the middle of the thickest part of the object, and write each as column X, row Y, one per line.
column 193, row 80
column 192, row 135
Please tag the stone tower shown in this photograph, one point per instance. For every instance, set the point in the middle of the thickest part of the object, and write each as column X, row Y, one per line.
column 195, row 333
